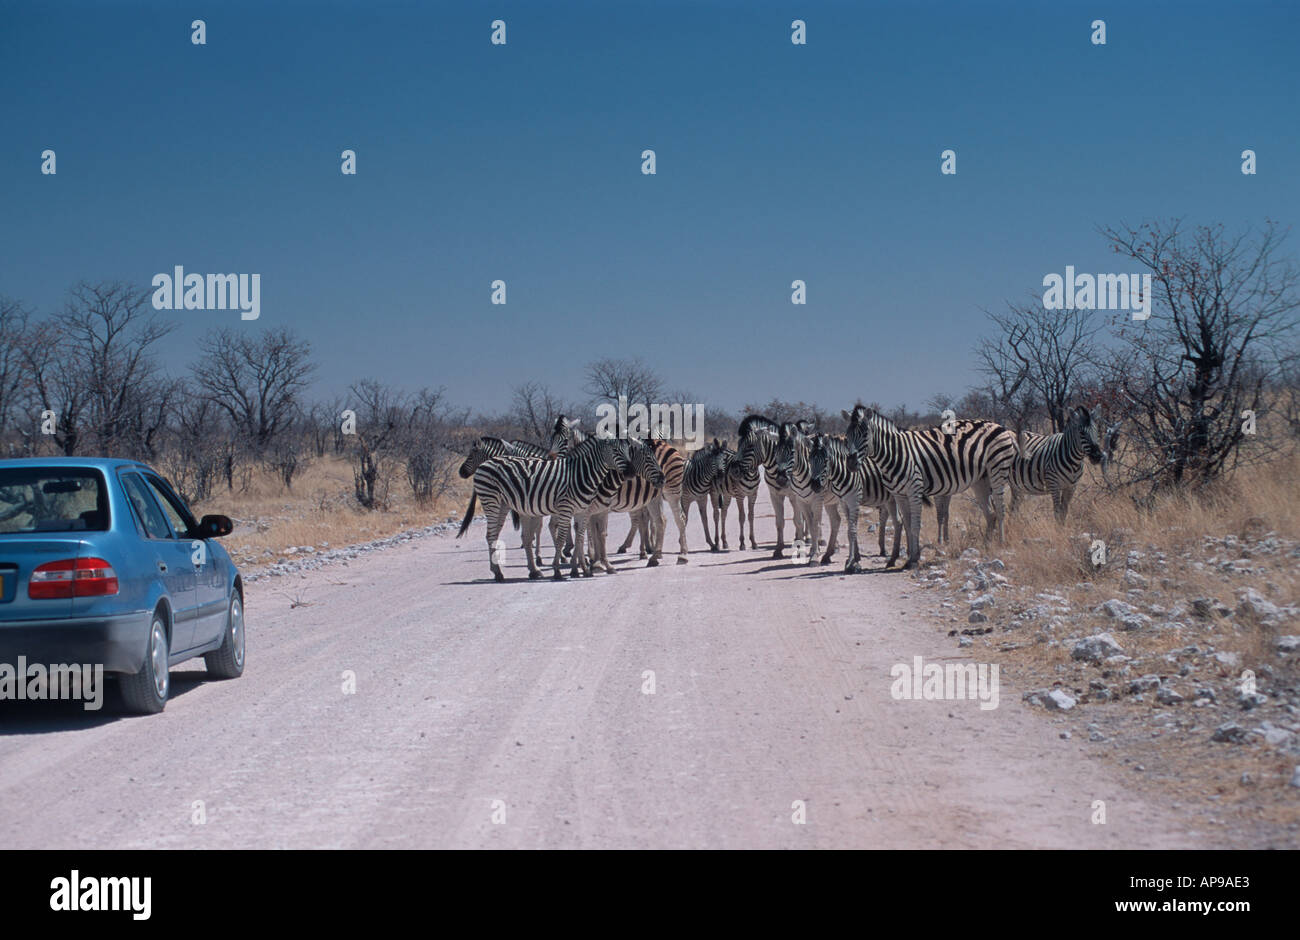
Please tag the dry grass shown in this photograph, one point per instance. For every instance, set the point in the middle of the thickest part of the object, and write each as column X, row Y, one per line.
column 1184, row 548
column 320, row 511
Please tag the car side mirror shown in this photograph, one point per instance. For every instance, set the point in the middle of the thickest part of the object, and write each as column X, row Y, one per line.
column 214, row 526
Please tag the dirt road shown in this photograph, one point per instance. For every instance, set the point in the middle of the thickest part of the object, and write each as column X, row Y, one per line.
column 771, row 686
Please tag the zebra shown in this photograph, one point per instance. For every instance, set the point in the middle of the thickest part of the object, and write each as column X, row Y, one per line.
column 1052, row 464
column 735, row 484
column 1047, row 465
column 758, row 436
column 925, row 462
column 486, row 447
column 856, row 481
column 638, row 492
column 648, row 521
column 697, row 484
column 792, row 461
column 558, row 488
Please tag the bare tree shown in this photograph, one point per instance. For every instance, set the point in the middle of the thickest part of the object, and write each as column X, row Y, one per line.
column 607, row 379
column 14, row 319
column 1224, row 311
column 381, row 423
column 534, row 408
column 1037, row 358
column 255, row 381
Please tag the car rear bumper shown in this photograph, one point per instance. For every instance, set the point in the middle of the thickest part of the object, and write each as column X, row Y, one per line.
column 118, row 643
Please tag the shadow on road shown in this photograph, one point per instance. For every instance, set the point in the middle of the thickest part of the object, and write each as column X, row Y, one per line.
column 46, row 717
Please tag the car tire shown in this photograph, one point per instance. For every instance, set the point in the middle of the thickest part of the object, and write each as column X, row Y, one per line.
column 227, row 662
column 145, row 692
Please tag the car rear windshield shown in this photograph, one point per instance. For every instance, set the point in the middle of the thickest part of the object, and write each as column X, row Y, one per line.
column 52, row 499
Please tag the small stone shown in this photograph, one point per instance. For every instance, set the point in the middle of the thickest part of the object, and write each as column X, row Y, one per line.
column 1229, row 733
column 1095, row 648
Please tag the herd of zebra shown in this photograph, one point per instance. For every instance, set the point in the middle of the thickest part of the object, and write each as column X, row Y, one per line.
column 578, row 480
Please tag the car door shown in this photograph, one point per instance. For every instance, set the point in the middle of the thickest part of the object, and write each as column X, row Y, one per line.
column 172, row 555
column 209, row 569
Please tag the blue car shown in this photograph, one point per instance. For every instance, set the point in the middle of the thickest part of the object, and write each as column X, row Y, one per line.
column 101, row 563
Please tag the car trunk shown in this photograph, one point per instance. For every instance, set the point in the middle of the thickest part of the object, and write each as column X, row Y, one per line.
column 20, row 554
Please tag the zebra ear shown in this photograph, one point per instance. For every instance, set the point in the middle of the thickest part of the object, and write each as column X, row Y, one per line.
column 847, row 416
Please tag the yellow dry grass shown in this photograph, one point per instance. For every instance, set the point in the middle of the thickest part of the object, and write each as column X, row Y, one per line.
column 320, row 511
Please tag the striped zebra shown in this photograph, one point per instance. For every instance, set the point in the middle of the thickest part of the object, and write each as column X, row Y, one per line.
column 734, row 484
column 1048, row 464
column 649, row 522
column 1052, row 464
column 758, row 436
column 558, row 488
column 697, row 484
column 486, row 447
column 856, row 481
column 641, row 491
column 793, row 449
column 923, row 462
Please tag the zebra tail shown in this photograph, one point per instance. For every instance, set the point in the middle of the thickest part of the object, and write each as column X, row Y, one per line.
column 514, row 517
column 926, row 501
column 469, row 514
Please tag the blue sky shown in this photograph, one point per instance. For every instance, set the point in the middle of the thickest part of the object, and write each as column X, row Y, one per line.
column 522, row 162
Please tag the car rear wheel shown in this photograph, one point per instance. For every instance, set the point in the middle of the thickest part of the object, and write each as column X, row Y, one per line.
column 228, row 661
column 146, row 692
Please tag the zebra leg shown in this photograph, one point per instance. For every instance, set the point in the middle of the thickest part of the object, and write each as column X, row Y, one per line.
column 913, row 528
column 740, row 515
column 884, row 514
column 720, row 524
column 655, row 524
column 998, row 489
column 983, row 492
column 833, row 512
column 896, row 508
column 558, row 525
column 941, row 506
column 1061, row 501
column 599, row 531
column 852, row 564
column 679, row 516
column 631, row 534
column 753, row 498
column 701, row 501
column 778, row 507
column 495, row 519
column 532, row 537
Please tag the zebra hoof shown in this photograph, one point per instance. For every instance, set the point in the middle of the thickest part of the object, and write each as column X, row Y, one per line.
column 778, row 554
column 826, row 559
column 498, row 575
column 682, row 560
column 534, row 575
column 652, row 563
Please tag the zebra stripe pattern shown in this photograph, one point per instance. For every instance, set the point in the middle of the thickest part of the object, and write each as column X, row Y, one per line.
column 791, row 458
column 697, row 484
column 557, row 488
column 757, row 446
column 1052, row 464
column 856, row 481
column 925, row 462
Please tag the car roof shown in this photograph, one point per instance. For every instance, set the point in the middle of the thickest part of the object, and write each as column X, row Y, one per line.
column 98, row 463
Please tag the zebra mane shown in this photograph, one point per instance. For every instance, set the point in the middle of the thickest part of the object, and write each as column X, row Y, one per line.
column 751, row 421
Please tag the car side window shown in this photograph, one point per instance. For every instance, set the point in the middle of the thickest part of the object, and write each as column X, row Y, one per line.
column 177, row 514
column 146, row 507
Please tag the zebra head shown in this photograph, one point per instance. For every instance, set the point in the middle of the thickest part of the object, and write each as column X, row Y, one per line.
column 483, row 448
column 711, row 460
column 1086, row 434
column 757, row 440
column 817, row 461
column 565, row 435
column 609, row 455
column 790, row 444
column 863, row 430
column 644, row 463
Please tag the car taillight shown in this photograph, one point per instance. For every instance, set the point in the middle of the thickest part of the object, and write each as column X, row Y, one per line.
column 72, row 577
